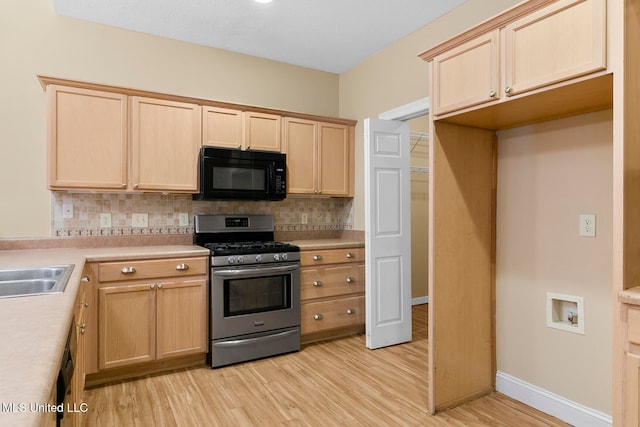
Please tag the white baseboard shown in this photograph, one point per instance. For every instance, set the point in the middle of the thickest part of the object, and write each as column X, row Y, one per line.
column 420, row 300
column 552, row 404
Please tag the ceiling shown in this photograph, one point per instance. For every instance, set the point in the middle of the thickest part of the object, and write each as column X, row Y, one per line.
column 328, row 35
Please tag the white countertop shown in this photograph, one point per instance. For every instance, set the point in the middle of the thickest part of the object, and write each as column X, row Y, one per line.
column 33, row 329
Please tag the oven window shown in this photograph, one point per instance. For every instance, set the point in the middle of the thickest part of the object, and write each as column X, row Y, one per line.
column 239, row 178
column 257, row 295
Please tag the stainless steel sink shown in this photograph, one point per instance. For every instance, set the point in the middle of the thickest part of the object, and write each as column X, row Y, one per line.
column 19, row 282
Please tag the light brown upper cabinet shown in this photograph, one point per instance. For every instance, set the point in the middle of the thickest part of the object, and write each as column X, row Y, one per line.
column 467, row 75
column 262, row 131
column 319, row 158
column 564, row 40
column 557, row 43
column 100, row 140
column 87, row 139
column 165, row 140
column 120, row 139
column 222, row 127
column 225, row 127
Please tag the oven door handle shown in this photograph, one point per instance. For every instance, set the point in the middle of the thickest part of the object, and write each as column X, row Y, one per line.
column 248, row 341
column 253, row 271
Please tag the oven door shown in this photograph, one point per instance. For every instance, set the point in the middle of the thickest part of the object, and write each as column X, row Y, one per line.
column 251, row 299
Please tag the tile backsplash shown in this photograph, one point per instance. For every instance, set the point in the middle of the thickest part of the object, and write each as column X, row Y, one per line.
column 164, row 213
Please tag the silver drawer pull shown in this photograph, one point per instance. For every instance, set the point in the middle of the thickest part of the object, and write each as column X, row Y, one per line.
column 350, row 255
column 317, row 283
column 128, row 270
column 317, row 257
column 180, row 267
column 317, row 316
column 351, row 311
column 350, row 280
column 85, row 279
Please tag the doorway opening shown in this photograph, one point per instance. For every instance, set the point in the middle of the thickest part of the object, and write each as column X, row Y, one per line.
column 417, row 115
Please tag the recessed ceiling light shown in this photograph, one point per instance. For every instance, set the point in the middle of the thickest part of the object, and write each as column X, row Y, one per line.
column 263, row 1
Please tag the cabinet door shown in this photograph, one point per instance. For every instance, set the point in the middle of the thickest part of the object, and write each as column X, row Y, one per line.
column 87, row 139
column 335, row 160
column 181, row 318
column 562, row 41
column 262, row 131
column 127, row 325
column 466, row 75
column 221, row 127
column 166, row 139
column 631, row 391
column 301, row 147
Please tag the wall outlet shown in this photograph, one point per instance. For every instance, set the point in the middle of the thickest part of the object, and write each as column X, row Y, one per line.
column 67, row 210
column 105, row 220
column 587, row 225
column 184, row 219
column 140, row 220
column 304, row 218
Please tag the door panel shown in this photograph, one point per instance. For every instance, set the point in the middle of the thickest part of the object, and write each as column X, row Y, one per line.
column 388, row 232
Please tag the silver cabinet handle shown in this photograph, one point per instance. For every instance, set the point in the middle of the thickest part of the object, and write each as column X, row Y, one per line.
column 350, row 280
column 350, row 255
column 317, row 257
column 82, row 328
column 86, row 304
column 85, row 279
column 124, row 185
column 317, row 283
column 507, row 90
column 351, row 311
column 128, row 270
column 159, row 285
column 317, row 316
column 152, row 286
column 180, row 267
column 492, row 94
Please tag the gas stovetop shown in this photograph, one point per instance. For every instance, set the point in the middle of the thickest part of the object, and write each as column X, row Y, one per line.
column 242, row 239
column 242, row 248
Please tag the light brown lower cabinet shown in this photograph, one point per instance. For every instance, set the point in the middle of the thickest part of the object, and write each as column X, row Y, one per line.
column 332, row 292
column 632, row 369
column 151, row 310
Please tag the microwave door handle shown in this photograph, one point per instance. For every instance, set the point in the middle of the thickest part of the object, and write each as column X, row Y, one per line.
column 253, row 271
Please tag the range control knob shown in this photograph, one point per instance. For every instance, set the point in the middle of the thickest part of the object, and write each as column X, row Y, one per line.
column 231, row 260
column 284, row 257
column 276, row 257
column 241, row 260
column 258, row 258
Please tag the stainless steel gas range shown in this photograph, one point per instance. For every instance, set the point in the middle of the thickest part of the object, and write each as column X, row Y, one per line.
column 254, row 288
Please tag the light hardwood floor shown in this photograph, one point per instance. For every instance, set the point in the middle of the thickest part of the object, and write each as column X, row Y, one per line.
column 325, row 384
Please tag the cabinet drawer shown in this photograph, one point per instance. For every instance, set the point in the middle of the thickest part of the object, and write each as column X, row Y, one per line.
column 331, row 281
column 134, row 270
column 332, row 314
column 331, row 256
column 633, row 331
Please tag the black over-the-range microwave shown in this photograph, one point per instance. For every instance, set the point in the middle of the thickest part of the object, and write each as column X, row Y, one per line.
column 233, row 174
